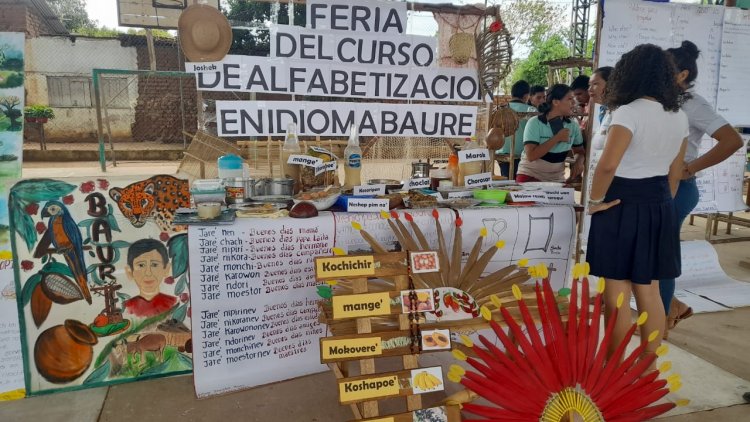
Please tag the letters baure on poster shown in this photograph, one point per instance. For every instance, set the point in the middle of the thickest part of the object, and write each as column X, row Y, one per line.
column 102, row 281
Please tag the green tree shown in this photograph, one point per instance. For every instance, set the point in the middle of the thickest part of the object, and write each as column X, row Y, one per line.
column 73, row 14
column 248, row 21
column 10, row 111
column 544, row 46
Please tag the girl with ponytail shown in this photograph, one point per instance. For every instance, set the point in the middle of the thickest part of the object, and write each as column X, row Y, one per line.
column 549, row 137
column 702, row 119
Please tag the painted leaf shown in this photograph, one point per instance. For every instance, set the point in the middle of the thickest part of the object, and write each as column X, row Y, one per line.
column 176, row 363
column 100, row 374
column 181, row 284
column 123, row 296
column 29, row 287
column 84, row 224
column 57, row 267
column 92, row 254
column 87, row 241
column 23, row 225
column 91, row 268
column 325, row 292
column 178, row 253
column 45, row 258
column 30, row 191
column 40, row 306
column 120, row 244
column 180, row 313
column 112, row 221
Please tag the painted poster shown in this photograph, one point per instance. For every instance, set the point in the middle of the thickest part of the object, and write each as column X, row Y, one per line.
column 11, row 145
column 101, row 275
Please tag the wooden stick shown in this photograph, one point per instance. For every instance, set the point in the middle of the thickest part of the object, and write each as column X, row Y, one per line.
column 394, row 229
column 456, row 258
column 376, row 246
column 475, row 271
column 492, row 277
column 473, row 255
column 445, row 264
column 417, row 231
column 411, row 245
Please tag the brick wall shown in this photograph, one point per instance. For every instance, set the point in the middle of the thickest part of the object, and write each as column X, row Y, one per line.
column 158, row 110
column 13, row 18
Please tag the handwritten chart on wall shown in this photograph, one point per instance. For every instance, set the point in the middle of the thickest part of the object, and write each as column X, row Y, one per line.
column 720, row 186
column 628, row 23
column 254, row 301
column 733, row 89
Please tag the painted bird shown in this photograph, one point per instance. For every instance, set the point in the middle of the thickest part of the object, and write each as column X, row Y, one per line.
column 63, row 234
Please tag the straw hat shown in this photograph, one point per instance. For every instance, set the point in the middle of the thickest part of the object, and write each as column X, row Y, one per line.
column 205, row 33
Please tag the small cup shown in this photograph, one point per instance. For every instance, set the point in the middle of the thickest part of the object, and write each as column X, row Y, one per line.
column 208, row 210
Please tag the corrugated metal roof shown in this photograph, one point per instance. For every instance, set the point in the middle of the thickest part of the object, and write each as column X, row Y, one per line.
column 50, row 18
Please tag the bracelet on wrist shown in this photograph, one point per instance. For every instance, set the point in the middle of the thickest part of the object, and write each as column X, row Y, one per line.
column 596, row 201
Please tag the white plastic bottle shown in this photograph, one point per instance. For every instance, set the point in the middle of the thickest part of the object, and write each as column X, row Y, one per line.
column 290, row 147
column 352, row 160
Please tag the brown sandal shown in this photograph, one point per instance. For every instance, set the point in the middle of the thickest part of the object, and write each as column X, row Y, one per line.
column 673, row 321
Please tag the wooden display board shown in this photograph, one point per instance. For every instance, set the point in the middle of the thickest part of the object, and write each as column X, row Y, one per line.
column 363, row 391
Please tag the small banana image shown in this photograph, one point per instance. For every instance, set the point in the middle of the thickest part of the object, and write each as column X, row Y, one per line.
column 425, row 381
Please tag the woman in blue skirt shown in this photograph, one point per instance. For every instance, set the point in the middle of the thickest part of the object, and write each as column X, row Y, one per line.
column 633, row 241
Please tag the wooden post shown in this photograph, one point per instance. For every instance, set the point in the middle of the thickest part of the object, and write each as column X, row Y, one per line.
column 151, row 49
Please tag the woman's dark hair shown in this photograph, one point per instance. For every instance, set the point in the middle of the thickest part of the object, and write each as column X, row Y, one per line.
column 604, row 72
column 645, row 71
column 686, row 58
column 556, row 92
column 580, row 82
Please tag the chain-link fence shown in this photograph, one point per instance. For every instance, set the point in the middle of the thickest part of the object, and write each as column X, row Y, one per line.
column 145, row 97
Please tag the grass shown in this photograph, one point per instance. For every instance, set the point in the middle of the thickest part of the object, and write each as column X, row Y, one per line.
column 10, row 169
column 11, row 79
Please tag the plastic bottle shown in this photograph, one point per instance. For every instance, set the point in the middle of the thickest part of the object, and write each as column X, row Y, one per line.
column 453, row 167
column 229, row 166
column 290, row 147
column 352, row 160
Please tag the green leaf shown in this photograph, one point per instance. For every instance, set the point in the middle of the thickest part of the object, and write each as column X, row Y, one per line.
column 564, row 292
column 100, row 374
column 45, row 258
column 28, row 288
column 87, row 241
column 41, row 190
column 85, row 224
column 92, row 254
column 91, row 268
column 57, row 267
column 113, row 222
column 181, row 284
column 325, row 292
column 123, row 296
column 21, row 222
column 178, row 253
column 180, row 313
column 120, row 244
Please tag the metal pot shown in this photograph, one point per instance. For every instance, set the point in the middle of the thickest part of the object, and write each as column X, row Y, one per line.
column 273, row 187
column 420, row 170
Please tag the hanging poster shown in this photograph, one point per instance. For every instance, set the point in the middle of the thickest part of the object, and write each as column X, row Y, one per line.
column 11, row 149
column 101, row 279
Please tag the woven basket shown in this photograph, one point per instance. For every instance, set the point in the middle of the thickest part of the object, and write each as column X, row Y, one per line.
column 505, row 119
column 462, row 47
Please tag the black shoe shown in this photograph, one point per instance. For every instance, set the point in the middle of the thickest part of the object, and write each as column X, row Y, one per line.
column 746, row 396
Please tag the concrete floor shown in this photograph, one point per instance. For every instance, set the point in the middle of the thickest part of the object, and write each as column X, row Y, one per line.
column 720, row 338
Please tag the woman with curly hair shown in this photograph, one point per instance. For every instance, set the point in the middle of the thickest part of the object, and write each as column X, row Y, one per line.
column 549, row 137
column 633, row 241
column 702, row 119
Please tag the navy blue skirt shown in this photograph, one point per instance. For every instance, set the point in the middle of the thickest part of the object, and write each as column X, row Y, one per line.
column 638, row 239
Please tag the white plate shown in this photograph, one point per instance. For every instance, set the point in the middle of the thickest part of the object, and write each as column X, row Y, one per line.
column 541, row 185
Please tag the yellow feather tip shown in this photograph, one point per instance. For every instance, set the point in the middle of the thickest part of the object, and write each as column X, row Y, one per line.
column 642, row 318
column 682, row 402
column 466, row 341
column 662, row 350
column 332, row 282
column 496, row 301
column 653, row 336
column 665, row 367
column 673, row 388
column 500, row 244
column 586, row 269
column 545, row 271
column 620, row 299
column 674, row 378
column 454, row 378
column 356, row 225
column 456, row 369
column 338, row 251
column 600, row 285
column 458, row 354
column 524, row 262
column 532, row 272
column 485, row 312
column 483, row 232
column 576, row 271
column 384, row 214
column 517, row 292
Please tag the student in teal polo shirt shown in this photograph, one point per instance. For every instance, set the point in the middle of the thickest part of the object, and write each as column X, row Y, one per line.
column 549, row 137
column 520, row 93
